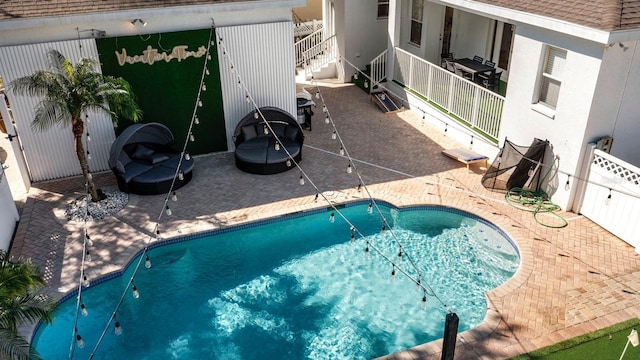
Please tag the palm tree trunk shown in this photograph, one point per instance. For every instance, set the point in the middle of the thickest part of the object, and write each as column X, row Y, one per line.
column 78, row 129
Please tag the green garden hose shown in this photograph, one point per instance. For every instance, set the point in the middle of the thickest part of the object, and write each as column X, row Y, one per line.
column 537, row 203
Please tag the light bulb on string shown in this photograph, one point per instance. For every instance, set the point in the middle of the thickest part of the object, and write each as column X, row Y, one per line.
column 567, row 185
column 88, row 155
column 88, row 137
column 301, row 180
column 370, row 208
column 196, row 120
column 530, row 172
column 393, row 273
column 332, row 217
column 207, row 71
column 423, row 303
column 85, row 281
column 87, row 256
column 326, row 119
column 334, row 135
column 353, row 238
column 384, row 228
column 359, row 188
column 147, row 262
column 341, row 150
column 367, row 253
column 607, row 201
column 174, row 196
column 499, row 159
column 277, row 146
column 192, row 138
column 204, row 87
column 423, row 115
column 83, row 310
column 349, row 169
column 400, row 256
column 288, row 162
column 256, row 114
column 316, row 197
column 239, row 83
column 418, row 285
column 118, row 329
column 89, row 176
column 317, row 94
column 199, row 103
column 134, row 292
column 366, row 84
column 209, row 57
column 180, row 175
column 324, row 108
column 247, row 98
column 231, row 68
column 446, row 128
column 383, row 97
column 265, row 130
column 355, row 76
column 471, row 143
column 168, row 210
column 89, row 241
column 79, row 341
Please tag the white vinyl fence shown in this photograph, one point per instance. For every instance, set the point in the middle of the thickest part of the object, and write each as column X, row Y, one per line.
column 612, row 197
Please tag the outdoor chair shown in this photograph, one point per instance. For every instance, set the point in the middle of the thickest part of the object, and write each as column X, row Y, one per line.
column 450, row 65
column 462, row 73
column 444, row 58
column 490, row 81
column 490, row 63
column 477, row 58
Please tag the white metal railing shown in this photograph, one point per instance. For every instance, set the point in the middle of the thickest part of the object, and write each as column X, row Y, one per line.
column 612, row 197
column 320, row 55
column 309, row 42
column 478, row 108
column 378, row 69
column 301, row 29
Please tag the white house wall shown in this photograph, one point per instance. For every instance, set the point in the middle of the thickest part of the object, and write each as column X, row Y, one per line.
column 263, row 60
column 616, row 109
column 50, row 154
column 566, row 131
column 8, row 213
column 470, row 35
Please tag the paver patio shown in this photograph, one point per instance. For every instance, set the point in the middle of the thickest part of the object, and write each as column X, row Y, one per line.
column 571, row 280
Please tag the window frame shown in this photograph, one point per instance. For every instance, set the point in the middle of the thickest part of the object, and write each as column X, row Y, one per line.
column 550, row 82
column 381, row 5
column 420, row 22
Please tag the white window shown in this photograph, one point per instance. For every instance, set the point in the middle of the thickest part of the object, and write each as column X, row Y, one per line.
column 416, row 21
column 552, row 75
column 383, row 9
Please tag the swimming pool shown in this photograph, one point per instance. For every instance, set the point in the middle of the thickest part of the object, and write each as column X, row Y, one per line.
column 293, row 287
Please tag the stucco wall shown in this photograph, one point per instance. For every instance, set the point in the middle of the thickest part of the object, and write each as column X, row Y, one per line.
column 567, row 130
column 8, row 213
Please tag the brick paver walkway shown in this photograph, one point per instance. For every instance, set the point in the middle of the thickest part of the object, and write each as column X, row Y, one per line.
column 571, row 280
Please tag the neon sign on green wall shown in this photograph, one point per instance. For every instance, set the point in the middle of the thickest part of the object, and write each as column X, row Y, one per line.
column 164, row 71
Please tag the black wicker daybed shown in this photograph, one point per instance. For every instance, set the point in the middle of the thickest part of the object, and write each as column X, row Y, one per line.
column 144, row 162
column 256, row 150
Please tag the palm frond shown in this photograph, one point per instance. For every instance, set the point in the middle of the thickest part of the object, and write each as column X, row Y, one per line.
column 15, row 347
column 50, row 113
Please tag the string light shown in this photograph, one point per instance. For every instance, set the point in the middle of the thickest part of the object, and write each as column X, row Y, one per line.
column 134, row 292
column 277, row 146
column 87, row 256
column 79, row 341
column 324, row 108
column 187, row 156
column 89, row 241
column 317, row 94
column 607, row 201
column 118, row 329
column 353, row 237
column 288, row 163
column 88, row 137
column 200, row 103
column 366, row 84
column 567, row 185
column 332, row 217
column 400, row 256
column 248, row 98
column 256, row 114
column 393, row 273
column 147, row 262
column 196, row 120
column 192, row 138
column 366, row 250
column 326, row 119
column 174, row 196
column 85, row 281
column 355, row 76
column 341, row 150
column 89, row 176
column 83, row 310
column 204, row 87
column 301, row 179
column 168, row 210
column 349, row 169
column 370, row 208
column 334, row 135
column 265, row 130
column 88, row 155
column 180, row 175
column 423, row 304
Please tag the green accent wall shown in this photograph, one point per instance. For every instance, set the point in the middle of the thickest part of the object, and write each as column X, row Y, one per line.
column 167, row 90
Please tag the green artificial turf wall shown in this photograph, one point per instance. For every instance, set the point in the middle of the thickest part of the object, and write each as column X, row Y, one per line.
column 167, row 90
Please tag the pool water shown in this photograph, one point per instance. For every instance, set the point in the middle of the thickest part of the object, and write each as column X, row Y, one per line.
column 294, row 288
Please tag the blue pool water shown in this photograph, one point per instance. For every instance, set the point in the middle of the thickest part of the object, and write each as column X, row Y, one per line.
column 293, row 288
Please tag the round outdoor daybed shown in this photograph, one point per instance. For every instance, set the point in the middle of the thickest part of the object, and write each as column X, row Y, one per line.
column 144, row 162
column 256, row 150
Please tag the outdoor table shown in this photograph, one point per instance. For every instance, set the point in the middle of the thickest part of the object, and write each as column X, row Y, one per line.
column 474, row 67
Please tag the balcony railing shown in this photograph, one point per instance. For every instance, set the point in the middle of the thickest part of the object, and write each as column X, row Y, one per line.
column 378, row 69
column 473, row 105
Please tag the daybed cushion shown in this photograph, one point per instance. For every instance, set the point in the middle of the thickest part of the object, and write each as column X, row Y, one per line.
column 134, row 169
column 249, row 132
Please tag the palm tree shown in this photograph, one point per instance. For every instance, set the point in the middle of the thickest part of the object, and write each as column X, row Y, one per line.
column 20, row 303
column 68, row 91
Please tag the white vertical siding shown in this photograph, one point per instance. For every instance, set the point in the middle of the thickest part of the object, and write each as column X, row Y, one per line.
column 51, row 154
column 263, row 59
column 8, row 213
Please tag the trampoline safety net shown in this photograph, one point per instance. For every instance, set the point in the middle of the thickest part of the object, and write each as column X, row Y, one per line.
column 516, row 167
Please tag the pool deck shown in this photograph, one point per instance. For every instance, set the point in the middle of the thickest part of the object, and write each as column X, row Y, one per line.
column 571, row 281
